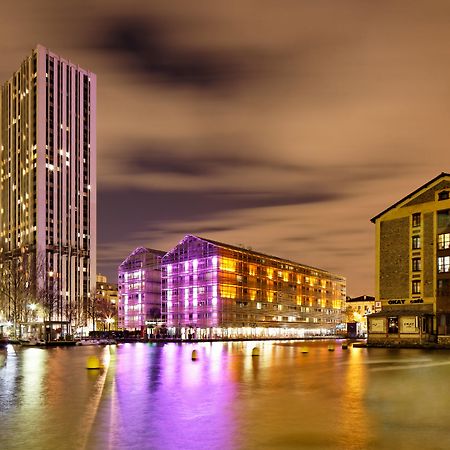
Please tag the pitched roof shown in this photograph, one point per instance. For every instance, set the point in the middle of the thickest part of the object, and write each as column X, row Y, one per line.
column 243, row 249
column 412, row 194
column 141, row 250
column 361, row 298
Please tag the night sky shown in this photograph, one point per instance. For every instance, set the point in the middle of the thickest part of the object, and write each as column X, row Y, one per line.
column 278, row 125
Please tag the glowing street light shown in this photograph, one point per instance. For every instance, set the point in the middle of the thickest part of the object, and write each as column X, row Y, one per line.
column 109, row 321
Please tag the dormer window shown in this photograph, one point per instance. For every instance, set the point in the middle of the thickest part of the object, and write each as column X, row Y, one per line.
column 444, row 195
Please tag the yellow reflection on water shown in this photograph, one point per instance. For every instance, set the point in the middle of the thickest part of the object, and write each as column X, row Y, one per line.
column 34, row 360
column 355, row 423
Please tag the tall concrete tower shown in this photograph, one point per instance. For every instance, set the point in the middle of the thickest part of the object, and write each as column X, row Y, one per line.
column 48, row 186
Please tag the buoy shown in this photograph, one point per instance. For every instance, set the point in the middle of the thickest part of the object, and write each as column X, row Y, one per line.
column 344, row 346
column 305, row 350
column 255, row 351
column 331, row 348
column 93, row 363
column 194, row 355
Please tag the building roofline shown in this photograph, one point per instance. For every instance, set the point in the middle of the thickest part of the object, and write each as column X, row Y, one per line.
column 243, row 249
column 412, row 194
column 361, row 298
column 140, row 250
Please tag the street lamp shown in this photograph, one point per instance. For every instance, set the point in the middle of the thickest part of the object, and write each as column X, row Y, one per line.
column 109, row 321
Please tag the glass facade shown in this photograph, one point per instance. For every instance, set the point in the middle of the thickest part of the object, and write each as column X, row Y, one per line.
column 140, row 289
column 211, row 289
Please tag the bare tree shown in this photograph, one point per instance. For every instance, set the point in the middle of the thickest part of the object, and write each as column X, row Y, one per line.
column 89, row 309
column 17, row 287
column 104, row 310
column 76, row 315
column 48, row 297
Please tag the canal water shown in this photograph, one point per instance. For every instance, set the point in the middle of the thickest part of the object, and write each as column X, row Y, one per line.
column 155, row 397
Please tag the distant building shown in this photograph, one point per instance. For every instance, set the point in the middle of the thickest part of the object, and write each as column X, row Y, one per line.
column 48, row 187
column 413, row 267
column 358, row 308
column 107, row 302
column 140, row 289
column 211, row 289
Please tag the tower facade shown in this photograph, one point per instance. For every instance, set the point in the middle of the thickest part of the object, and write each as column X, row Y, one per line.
column 48, row 187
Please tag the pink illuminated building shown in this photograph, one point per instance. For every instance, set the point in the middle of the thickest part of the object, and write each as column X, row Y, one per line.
column 213, row 290
column 140, row 289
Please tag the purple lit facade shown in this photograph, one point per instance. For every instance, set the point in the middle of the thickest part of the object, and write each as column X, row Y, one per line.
column 140, row 289
column 212, row 289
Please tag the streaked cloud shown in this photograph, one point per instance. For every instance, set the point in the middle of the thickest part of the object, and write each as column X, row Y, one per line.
column 281, row 127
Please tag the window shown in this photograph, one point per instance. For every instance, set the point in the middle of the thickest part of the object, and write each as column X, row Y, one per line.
column 415, row 287
column 416, row 220
column 393, row 325
column 444, row 241
column 416, row 264
column 443, row 264
column 415, row 242
column 443, row 287
column 444, row 195
column 443, row 217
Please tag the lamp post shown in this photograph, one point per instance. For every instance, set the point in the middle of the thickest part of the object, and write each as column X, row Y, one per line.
column 32, row 307
column 109, row 321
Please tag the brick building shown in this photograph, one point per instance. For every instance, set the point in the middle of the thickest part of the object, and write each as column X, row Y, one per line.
column 413, row 268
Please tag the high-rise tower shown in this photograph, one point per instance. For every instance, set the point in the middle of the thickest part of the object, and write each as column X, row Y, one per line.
column 48, row 186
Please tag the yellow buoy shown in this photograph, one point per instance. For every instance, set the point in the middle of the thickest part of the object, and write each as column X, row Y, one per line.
column 345, row 346
column 331, row 348
column 255, row 351
column 93, row 362
column 305, row 350
column 194, row 355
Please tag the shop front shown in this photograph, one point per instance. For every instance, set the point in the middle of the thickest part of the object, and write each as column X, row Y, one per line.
column 400, row 328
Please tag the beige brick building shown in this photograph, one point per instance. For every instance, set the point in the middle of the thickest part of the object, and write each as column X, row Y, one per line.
column 413, row 268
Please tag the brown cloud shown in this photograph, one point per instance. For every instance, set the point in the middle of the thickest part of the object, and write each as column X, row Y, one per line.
column 343, row 103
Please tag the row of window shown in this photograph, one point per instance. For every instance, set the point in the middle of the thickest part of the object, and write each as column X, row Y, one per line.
column 443, row 242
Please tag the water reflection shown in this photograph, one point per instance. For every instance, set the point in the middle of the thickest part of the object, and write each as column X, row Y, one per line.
column 155, row 397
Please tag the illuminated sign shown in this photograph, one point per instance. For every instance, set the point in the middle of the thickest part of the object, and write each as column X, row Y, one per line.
column 402, row 302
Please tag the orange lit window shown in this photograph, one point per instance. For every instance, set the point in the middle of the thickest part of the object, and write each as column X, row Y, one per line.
column 227, row 264
column 227, row 291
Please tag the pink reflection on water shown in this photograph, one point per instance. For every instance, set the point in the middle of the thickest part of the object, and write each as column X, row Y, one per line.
column 160, row 390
